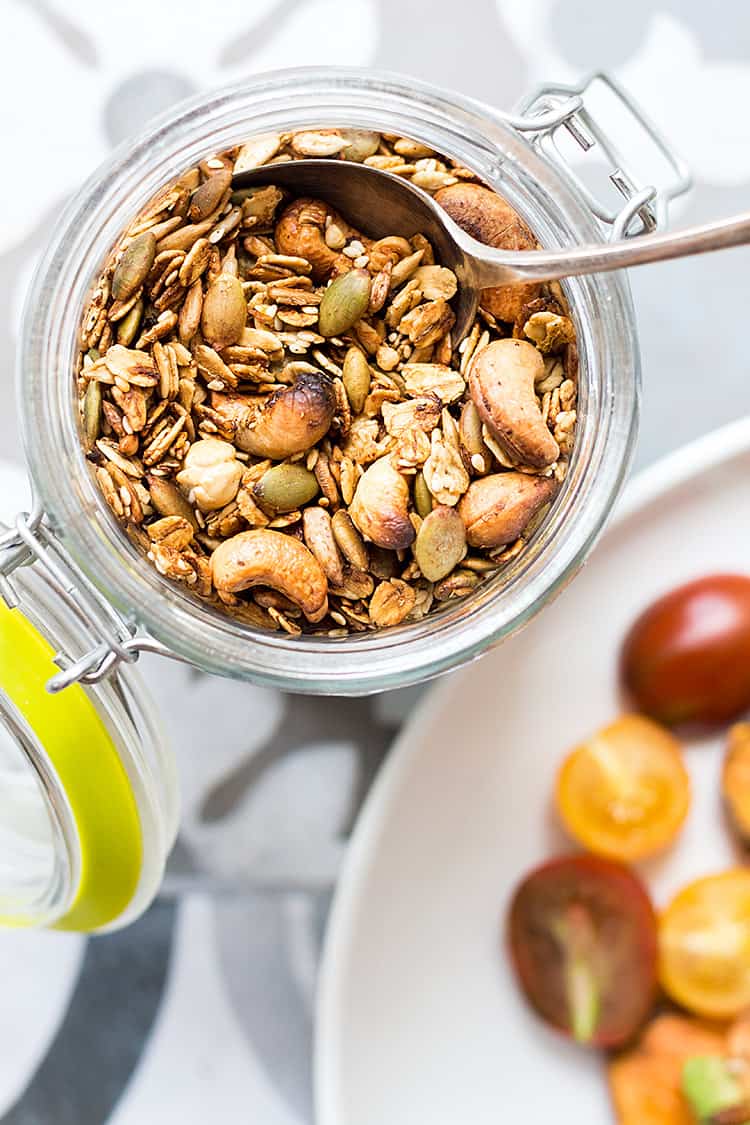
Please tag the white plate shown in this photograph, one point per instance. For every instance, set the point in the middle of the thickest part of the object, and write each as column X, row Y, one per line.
column 419, row 1019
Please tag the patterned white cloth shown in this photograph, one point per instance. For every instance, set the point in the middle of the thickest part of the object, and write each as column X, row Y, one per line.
column 203, row 1009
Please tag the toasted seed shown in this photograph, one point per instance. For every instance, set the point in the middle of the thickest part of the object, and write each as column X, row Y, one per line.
column 184, row 237
column 357, row 378
column 172, row 531
column 456, row 585
column 349, row 539
column 257, row 151
column 169, row 501
column 436, row 282
column 133, row 266
column 383, row 563
column 134, row 365
column 207, row 197
column 224, row 311
column 109, row 450
column 441, row 543
column 92, row 412
column 404, row 269
column 190, row 313
column 195, row 262
column 357, row 584
column 286, row 487
column 344, row 302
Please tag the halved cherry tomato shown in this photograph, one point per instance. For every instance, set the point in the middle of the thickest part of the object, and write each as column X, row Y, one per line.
column 686, row 660
column 646, row 1080
column 582, row 935
column 735, row 779
column 704, row 945
column 624, row 792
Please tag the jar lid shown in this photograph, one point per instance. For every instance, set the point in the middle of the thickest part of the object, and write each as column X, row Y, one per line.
column 88, row 793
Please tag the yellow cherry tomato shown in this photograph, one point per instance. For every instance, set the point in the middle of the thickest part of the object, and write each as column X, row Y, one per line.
column 625, row 792
column 704, row 945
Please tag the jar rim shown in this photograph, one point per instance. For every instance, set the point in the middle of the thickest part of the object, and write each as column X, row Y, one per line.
column 466, row 129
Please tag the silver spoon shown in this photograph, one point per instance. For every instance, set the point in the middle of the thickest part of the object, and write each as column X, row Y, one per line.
column 379, row 204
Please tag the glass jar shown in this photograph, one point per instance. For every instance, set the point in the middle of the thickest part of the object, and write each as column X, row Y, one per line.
column 536, row 185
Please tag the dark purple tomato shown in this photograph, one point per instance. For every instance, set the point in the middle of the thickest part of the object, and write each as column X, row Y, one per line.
column 686, row 660
column 583, row 939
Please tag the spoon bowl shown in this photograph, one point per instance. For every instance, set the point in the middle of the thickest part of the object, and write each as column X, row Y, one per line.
column 379, row 203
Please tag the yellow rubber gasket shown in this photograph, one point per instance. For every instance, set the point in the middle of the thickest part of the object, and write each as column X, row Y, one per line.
column 87, row 763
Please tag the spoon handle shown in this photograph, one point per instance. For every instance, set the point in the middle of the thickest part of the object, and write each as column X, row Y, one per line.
column 498, row 267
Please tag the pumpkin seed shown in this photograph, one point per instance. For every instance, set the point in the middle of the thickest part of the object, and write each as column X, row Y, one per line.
column 224, row 312
column 422, row 496
column 440, row 544
column 132, row 269
column 127, row 329
column 169, row 501
column 344, row 302
column 285, row 487
column 357, row 377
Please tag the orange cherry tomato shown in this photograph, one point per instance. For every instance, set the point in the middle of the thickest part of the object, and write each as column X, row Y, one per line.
column 735, row 779
column 624, row 792
column 686, row 660
column 582, row 936
column 704, row 945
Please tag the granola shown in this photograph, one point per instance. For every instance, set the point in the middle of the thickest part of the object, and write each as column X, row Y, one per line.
column 277, row 414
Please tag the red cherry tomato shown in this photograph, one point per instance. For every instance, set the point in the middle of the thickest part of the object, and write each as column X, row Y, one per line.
column 583, row 939
column 686, row 660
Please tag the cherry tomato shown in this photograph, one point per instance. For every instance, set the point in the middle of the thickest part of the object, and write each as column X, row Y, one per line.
column 704, row 945
column 686, row 660
column 735, row 779
column 646, row 1080
column 624, row 792
column 582, row 936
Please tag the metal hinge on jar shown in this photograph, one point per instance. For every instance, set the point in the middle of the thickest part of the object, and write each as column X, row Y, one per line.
column 554, row 108
column 115, row 639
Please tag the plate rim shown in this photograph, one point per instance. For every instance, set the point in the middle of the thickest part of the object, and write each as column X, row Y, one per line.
column 652, row 483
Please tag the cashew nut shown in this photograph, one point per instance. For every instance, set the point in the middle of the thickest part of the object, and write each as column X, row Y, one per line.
column 496, row 509
column 210, row 475
column 380, row 508
column 291, row 421
column 486, row 216
column 268, row 558
column 301, row 231
column 501, row 381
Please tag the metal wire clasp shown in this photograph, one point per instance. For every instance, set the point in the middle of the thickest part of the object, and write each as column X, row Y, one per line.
column 552, row 108
column 115, row 639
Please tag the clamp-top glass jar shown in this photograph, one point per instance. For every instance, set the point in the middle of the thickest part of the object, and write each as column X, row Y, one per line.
column 95, row 599
column 89, row 808
column 509, row 154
